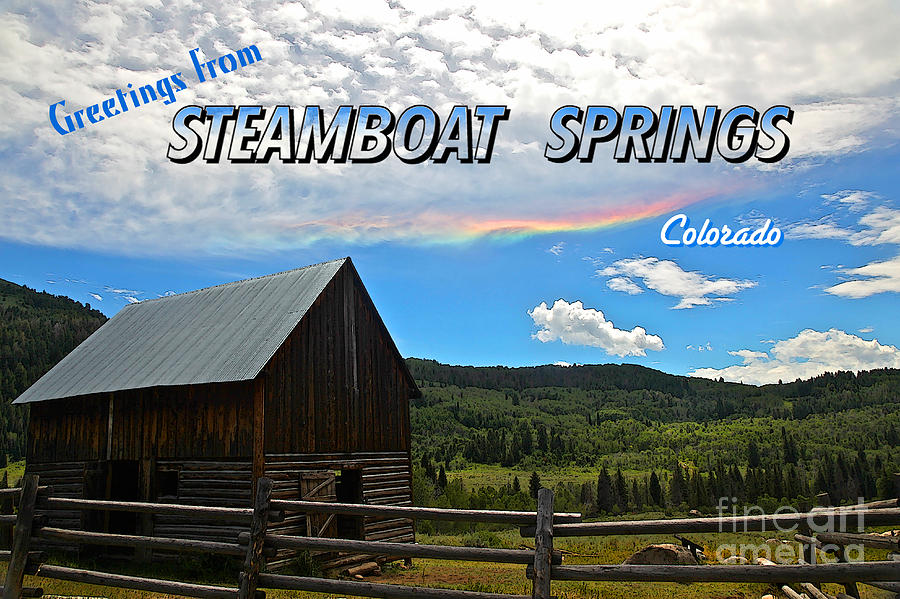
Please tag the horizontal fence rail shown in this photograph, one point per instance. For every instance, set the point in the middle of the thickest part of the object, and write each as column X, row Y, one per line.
column 163, row 509
column 474, row 554
column 153, row 585
column 170, row 544
column 727, row 524
column 874, row 571
column 372, row 589
column 417, row 513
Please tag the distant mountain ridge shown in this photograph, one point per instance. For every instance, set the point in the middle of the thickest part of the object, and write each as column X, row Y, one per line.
column 647, row 394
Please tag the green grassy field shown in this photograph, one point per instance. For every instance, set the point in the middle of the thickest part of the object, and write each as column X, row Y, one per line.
column 483, row 475
column 14, row 472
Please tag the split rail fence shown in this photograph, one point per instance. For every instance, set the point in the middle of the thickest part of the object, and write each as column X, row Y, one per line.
column 543, row 563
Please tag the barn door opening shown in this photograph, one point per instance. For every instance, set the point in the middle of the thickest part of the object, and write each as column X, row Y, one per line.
column 348, row 489
column 124, row 485
column 318, row 486
column 116, row 480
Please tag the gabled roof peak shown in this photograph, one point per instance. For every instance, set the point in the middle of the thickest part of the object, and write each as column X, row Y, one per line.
column 224, row 333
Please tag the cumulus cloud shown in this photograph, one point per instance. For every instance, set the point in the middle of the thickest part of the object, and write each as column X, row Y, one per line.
column 808, row 354
column 573, row 324
column 667, row 278
column 557, row 249
column 113, row 179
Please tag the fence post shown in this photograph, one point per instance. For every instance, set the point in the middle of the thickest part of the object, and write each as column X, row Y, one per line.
column 6, row 507
column 543, row 545
column 254, row 561
column 21, row 538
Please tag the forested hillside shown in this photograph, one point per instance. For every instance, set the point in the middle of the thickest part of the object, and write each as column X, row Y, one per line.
column 37, row 330
column 663, row 440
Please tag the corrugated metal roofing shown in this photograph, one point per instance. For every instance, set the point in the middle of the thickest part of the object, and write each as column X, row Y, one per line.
column 214, row 335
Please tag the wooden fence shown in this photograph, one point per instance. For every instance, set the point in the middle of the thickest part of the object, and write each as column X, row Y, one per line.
column 543, row 563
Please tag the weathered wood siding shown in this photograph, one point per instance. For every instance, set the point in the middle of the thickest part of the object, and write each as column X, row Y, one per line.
column 199, row 421
column 337, row 384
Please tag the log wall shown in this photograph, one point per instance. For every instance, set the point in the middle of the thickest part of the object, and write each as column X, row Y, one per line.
column 211, row 482
column 386, row 480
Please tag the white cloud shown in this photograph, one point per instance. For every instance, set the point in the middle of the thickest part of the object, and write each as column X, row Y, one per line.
column 120, row 291
column 131, row 299
column 749, row 355
column 700, row 347
column 534, row 58
column 667, row 278
column 573, row 324
column 808, row 354
column 882, row 225
column 866, row 330
column 878, row 226
column 876, row 277
column 562, row 364
column 854, row 199
column 96, row 296
column 557, row 249
column 821, row 229
column 625, row 285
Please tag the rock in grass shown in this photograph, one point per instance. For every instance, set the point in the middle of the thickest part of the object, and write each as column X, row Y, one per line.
column 663, row 554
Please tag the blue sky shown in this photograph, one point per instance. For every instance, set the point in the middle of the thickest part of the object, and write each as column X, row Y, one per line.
column 102, row 216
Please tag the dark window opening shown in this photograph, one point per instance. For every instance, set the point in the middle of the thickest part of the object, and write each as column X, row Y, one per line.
column 167, row 484
column 348, row 489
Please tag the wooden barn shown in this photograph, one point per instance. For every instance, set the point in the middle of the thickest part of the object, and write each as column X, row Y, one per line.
column 190, row 398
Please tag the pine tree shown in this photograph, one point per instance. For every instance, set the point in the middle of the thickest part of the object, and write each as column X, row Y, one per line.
column 621, row 491
column 676, row 488
column 534, row 484
column 753, row 460
column 655, row 490
column 517, row 486
column 604, row 491
column 442, row 479
column 428, row 467
column 789, row 446
column 542, row 443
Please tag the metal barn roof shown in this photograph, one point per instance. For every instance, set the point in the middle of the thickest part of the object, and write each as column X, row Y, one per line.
column 219, row 334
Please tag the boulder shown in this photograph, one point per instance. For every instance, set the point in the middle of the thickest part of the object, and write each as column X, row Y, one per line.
column 736, row 560
column 663, row 554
